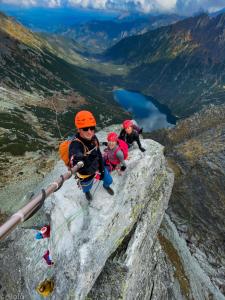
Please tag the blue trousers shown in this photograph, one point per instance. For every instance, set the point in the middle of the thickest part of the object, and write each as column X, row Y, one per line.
column 87, row 185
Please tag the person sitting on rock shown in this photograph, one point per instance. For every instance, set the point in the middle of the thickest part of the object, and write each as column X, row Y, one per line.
column 115, row 153
column 85, row 148
column 130, row 135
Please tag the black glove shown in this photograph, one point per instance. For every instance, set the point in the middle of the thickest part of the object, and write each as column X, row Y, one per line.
column 104, row 144
column 102, row 173
column 142, row 149
column 123, row 168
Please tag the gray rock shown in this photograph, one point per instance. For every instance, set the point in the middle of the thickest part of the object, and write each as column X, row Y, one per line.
column 84, row 237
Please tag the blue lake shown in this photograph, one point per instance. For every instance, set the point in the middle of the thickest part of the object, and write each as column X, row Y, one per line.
column 145, row 110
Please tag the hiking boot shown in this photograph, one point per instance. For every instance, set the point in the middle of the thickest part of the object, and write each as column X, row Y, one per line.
column 109, row 190
column 88, row 196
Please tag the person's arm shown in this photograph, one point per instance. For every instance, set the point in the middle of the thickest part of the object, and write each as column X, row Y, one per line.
column 137, row 139
column 120, row 156
column 101, row 162
column 76, row 153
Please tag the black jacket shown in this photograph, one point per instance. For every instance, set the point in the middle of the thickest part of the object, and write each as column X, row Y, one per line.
column 92, row 162
column 130, row 138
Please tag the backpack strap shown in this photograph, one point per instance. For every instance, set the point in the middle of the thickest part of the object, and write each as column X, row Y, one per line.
column 86, row 150
column 115, row 152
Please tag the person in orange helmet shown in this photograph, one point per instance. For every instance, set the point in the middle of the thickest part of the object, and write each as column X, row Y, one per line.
column 85, row 148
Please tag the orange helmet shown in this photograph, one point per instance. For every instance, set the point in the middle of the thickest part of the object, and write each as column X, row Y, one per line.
column 127, row 123
column 112, row 137
column 84, row 119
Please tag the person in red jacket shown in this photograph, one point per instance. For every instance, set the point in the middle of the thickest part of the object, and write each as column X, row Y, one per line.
column 115, row 153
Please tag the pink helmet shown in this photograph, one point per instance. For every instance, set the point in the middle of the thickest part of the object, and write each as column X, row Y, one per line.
column 112, row 137
column 127, row 123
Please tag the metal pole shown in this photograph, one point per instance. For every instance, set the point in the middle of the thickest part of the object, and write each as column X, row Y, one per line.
column 21, row 215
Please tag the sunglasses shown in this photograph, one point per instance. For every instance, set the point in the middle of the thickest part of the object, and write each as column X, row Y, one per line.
column 92, row 128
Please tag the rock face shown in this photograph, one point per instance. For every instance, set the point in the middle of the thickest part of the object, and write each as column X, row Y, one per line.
column 119, row 230
column 188, row 278
column 196, row 152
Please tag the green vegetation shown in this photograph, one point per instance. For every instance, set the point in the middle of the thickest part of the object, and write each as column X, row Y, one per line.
column 174, row 258
column 21, row 137
column 16, row 123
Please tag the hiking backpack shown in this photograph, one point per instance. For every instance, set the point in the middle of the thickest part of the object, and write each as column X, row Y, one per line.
column 123, row 147
column 65, row 146
column 137, row 127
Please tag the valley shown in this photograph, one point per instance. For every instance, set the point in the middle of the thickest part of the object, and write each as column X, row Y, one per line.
column 159, row 70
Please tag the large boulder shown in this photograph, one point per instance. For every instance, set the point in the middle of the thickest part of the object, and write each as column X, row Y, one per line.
column 84, row 236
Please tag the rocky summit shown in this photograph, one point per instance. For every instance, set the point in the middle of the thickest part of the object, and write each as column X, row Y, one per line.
column 133, row 245
column 113, row 237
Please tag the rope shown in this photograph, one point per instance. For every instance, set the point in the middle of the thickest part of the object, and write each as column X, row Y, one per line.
column 62, row 137
column 96, row 186
column 56, row 119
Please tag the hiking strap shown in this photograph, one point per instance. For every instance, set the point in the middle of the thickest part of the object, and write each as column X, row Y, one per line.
column 115, row 152
column 86, row 150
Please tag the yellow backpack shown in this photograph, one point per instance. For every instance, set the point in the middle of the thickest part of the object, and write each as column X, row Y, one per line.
column 64, row 149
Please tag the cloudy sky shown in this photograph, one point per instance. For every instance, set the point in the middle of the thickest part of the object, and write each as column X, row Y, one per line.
column 178, row 6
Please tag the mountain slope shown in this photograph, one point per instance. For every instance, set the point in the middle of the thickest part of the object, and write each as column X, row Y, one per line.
column 29, row 63
column 39, row 96
column 195, row 150
column 99, row 35
column 181, row 65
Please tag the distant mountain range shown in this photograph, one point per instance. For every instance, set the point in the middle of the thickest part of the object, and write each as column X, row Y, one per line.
column 45, row 19
column 182, row 65
column 98, row 35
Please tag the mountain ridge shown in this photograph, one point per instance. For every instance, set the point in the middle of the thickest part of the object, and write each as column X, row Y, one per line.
column 99, row 35
column 181, row 65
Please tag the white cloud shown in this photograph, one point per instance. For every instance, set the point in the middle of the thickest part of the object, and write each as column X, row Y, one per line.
column 45, row 3
column 99, row 4
column 179, row 6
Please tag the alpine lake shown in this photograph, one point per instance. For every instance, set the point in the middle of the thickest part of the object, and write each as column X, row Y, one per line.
column 148, row 113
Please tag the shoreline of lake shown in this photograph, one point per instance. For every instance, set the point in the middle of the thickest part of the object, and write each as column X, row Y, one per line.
column 148, row 110
column 159, row 105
